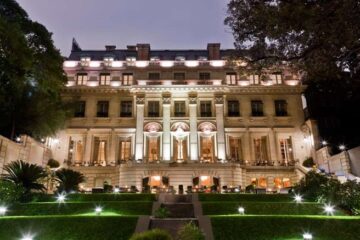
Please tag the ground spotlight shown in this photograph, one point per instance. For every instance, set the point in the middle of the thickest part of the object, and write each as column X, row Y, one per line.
column 329, row 209
column 98, row 210
column 61, row 198
column 307, row 236
column 3, row 210
column 298, row 198
column 241, row 210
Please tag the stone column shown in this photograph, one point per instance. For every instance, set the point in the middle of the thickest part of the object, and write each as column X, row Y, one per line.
column 166, row 127
column 139, row 138
column 247, row 147
column 112, row 155
column 273, row 147
column 194, row 156
column 88, row 143
column 219, row 105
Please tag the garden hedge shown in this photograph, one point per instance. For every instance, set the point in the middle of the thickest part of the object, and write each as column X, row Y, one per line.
column 284, row 227
column 246, row 197
column 98, row 197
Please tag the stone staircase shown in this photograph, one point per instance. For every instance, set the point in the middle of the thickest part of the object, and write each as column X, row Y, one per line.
column 182, row 210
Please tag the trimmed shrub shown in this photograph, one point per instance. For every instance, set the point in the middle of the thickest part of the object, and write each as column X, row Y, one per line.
column 155, row 234
column 161, row 212
column 241, row 197
column 10, row 192
column 308, row 162
column 190, row 232
column 100, row 197
column 52, row 163
column 312, row 186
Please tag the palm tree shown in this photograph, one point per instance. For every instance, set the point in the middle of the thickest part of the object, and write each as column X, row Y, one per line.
column 26, row 175
column 69, row 180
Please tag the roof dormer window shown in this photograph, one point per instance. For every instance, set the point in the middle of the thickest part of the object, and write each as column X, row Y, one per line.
column 85, row 61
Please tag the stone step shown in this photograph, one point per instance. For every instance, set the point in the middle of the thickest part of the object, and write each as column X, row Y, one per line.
column 172, row 198
column 180, row 210
column 170, row 225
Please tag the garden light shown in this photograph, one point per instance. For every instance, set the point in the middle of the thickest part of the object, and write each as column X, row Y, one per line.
column 116, row 190
column 98, row 210
column 3, row 210
column 342, row 147
column 298, row 198
column 307, row 236
column 329, row 209
column 27, row 237
column 241, row 210
column 61, row 198
column 324, row 143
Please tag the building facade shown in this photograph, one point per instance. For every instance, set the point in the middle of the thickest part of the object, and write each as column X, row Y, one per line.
column 149, row 117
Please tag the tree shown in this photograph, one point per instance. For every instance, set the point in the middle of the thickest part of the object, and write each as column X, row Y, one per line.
column 26, row 175
column 69, row 180
column 31, row 76
column 321, row 39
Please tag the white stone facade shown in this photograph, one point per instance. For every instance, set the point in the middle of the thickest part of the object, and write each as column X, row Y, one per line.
column 181, row 115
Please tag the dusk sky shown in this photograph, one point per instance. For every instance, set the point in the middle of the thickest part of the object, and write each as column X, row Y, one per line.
column 165, row 24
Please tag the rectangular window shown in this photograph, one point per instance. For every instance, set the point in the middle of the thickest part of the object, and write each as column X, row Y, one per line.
column 104, row 79
column 261, row 151
column 233, row 109
column 127, row 79
column 81, row 78
column 281, row 108
column 126, row 109
column 277, row 78
column 153, row 109
column 102, row 109
column 257, row 108
column 179, row 109
column 80, row 109
column 99, row 153
column 235, row 149
column 205, row 109
column 124, row 149
column 154, row 76
column 179, row 76
column 286, row 151
column 254, row 79
column 231, row 78
column 204, row 76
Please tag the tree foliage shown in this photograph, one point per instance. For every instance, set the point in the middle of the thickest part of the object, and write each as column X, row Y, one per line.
column 320, row 39
column 69, row 180
column 9, row 192
column 26, row 175
column 31, row 75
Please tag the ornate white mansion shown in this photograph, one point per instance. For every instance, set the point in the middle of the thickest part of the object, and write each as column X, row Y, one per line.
column 149, row 117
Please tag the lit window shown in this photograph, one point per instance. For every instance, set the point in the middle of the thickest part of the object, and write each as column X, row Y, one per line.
column 104, row 79
column 254, row 79
column 261, row 150
column 127, row 79
column 204, row 76
column 286, row 151
column 124, row 149
column 235, row 148
column 231, row 78
column 81, row 78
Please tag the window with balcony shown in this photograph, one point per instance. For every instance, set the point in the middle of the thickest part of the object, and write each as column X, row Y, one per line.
column 81, row 79
column 179, row 76
column 154, row 76
column 80, row 109
column 153, row 109
column 204, row 76
column 286, row 151
column 124, row 149
column 235, row 148
column 179, row 109
column 254, row 79
column 280, row 108
column 261, row 150
column 100, row 152
column 231, row 78
column 127, row 79
column 126, row 109
column 102, row 109
column 104, row 79
column 257, row 108
column 205, row 109
column 233, row 108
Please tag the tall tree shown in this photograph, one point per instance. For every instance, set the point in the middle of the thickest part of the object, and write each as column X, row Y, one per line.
column 31, row 75
column 321, row 39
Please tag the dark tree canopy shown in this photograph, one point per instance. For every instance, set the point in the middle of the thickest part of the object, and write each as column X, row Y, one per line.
column 320, row 38
column 31, row 75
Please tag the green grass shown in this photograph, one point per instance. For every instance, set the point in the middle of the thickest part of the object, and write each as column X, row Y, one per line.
column 68, row 228
column 232, row 197
column 264, row 208
column 75, row 208
column 285, row 227
column 99, row 197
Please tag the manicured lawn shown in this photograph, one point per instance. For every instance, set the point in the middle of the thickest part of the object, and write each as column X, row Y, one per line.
column 68, row 227
column 74, row 208
column 99, row 197
column 285, row 227
column 232, row 197
column 264, row 208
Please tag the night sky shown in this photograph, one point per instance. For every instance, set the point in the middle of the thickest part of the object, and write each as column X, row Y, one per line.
column 165, row 24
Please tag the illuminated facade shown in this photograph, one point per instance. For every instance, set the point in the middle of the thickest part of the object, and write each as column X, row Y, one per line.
column 181, row 117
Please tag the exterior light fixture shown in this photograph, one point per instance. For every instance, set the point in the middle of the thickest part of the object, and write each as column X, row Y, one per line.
column 342, row 147
column 307, row 236
column 3, row 210
column 298, row 198
column 27, row 236
column 116, row 190
column 241, row 210
column 17, row 139
column 61, row 198
column 98, row 210
column 329, row 209
column 324, row 143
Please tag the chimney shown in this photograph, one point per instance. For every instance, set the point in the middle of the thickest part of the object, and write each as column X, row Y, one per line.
column 213, row 51
column 131, row 47
column 143, row 51
column 110, row 47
